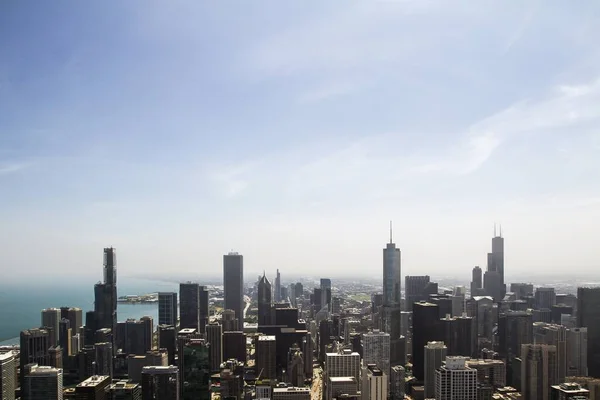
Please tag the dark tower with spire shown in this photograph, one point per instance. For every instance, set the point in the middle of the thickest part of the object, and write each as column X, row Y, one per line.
column 105, row 295
column 264, row 301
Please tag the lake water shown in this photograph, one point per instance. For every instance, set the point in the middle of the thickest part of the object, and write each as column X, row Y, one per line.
column 20, row 306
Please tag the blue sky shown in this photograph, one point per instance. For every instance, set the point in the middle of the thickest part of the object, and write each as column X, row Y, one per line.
column 292, row 132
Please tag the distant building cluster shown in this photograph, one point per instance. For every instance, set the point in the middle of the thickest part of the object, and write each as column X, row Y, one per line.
column 314, row 339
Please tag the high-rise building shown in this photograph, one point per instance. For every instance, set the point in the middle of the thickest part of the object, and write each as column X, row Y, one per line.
column 50, row 321
column 34, row 346
column 376, row 350
column 195, row 371
column 65, row 333
column 545, row 297
column 577, row 348
column 435, row 354
column 135, row 337
column 75, row 317
column 264, row 301
column 229, row 321
column 569, row 390
column 234, row 345
column 265, row 357
column 588, row 304
column 167, row 339
column 495, row 283
column 189, row 306
column 555, row 335
column 521, row 290
column 392, row 275
column 455, row 380
column 426, row 324
column 105, row 303
column 233, row 282
column 204, row 300
column 476, row 282
column 326, row 293
column 538, row 371
column 104, row 359
column 136, row 363
column 374, row 383
column 291, row 393
column 397, row 383
column 93, row 388
column 214, row 337
column 277, row 292
column 160, row 383
column 490, row 372
column 418, row 288
column 458, row 336
column 8, row 365
column 124, row 390
column 167, row 308
column 43, row 383
column 341, row 387
column 345, row 363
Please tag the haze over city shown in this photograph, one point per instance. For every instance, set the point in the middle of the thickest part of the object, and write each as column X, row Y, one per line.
column 293, row 133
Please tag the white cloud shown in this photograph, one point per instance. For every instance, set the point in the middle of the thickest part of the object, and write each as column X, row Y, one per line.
column 12, row 168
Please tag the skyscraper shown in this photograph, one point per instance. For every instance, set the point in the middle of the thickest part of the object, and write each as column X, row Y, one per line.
column 264, row 301
column 555, row 335
column 277, row 292
column 50, row 321
column 426, row 323
column 75, row 317
column 233, row 282
column 93, row 388
column 167, row 308
column 376, row 350
column 458, row 336
column 7, row 376
column 265, row 357
column 588, row 304
column 104, row 359
column 167, row 339
column 34, row 345
column 105, row 304
column 415, row 290
column 476, row 282
column 455, row 380
column 124, row 390
column 392, row 274
column 374, row 383
column 160, row 383
column 577, row 347
column 538, row 371
column 194, row 370
column 189, row 305
column 434, row 355
column 214, row 337
column 43, row 383
column 494, row 276
column 326, row 293
column 545, row 297
column 135, row 337
column 204, row 300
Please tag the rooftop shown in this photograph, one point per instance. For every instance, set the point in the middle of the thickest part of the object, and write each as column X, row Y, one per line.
column 266, row 338
column 94, row 380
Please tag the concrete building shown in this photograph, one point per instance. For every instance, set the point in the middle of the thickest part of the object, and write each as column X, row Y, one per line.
column 489, row 372
column 160, row 383
column 291, row 393
column 167, row 308
column 569, row 390
column 435, row 354
column 75, row 317
column 8, row 376
column 135, row 336
column 339, row 387
column 266, row 348
column 43, row 383
column 374, row 385
column 137, row 363
column 415, row 290
column 93, row 388
column 455, row 380
column 577, row 347
column 376, row 349
column 233, row 282
column 476, row 282
column 554, row 335
column 124, row 390
column 538, row 371
column 104, row 359
column 545, row 298
column 588, row 304
column 34, row 346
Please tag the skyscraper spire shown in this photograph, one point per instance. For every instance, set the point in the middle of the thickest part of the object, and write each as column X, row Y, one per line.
column 494, row 229
column 391, row 241
column 500, row 230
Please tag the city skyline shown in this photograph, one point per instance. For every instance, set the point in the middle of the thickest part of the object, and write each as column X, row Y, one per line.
column 292, row 133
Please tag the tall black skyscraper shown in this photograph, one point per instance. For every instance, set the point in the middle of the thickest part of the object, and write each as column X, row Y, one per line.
column 426, row 328
column 588, row 304
column 203, row 308
column 264, row 301
column 105, row 304
column 494, row 276
column 167, row 308
column 476, row 282
column 189, row 305
column 233, row 282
